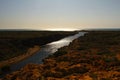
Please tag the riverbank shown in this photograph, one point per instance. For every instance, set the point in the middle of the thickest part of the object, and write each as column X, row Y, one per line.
column 16, row 43
column 94, row 56
column 16, row 46
column 5, row 64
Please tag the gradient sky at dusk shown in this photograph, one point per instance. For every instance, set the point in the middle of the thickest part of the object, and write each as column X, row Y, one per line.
column 59, row 14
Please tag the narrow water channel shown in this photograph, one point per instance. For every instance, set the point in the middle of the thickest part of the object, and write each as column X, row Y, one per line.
column 46, row 50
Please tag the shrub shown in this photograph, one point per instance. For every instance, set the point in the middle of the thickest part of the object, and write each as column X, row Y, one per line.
column 82, row 48
column 59, row 53
column 94, row 76
column 104, row 52
column 5, row 68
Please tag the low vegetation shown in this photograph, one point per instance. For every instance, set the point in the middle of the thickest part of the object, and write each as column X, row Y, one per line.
column 15, row 43
column 95, row 56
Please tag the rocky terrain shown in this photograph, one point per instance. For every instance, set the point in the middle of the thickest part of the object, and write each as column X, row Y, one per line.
column 94, row 56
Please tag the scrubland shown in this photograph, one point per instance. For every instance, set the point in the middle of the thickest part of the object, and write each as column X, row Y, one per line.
column 94, row 56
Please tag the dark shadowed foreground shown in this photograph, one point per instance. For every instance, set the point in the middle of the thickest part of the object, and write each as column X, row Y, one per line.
column 95, row 56
column 18, row 45
column 14, row 43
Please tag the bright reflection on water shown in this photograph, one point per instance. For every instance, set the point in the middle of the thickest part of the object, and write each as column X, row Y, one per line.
column 54, row 46
column 45, row 51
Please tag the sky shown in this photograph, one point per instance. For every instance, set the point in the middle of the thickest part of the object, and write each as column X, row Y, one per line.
column 59, row 14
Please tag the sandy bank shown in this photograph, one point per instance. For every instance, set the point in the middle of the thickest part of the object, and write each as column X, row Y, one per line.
column 30, row 52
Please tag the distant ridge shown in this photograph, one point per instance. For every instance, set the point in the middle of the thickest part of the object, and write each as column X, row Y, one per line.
column 103, row 29
column 93, row 29
column 28, row 30
column 21, row 30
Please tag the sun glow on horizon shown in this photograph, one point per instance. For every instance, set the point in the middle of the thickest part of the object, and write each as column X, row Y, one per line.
column 59, row 15
column 62, row 29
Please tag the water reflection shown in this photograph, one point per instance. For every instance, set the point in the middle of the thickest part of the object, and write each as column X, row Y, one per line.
column 54, row 46
column 45, row 51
